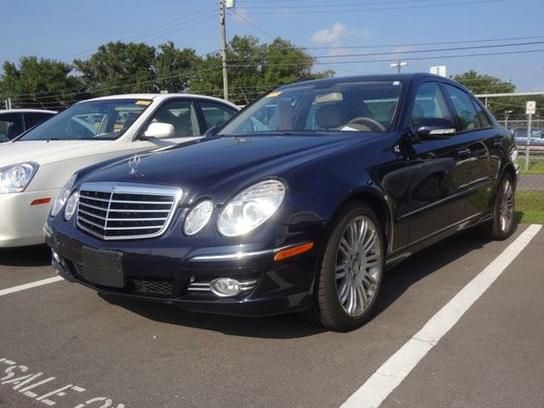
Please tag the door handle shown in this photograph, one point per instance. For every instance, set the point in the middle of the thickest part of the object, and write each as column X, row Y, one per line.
column 464, row 152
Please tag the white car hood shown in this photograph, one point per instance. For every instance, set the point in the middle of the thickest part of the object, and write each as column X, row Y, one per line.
column 44, row 152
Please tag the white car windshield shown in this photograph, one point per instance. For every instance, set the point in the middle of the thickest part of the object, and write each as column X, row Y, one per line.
column 358, row 106
column 92, row 120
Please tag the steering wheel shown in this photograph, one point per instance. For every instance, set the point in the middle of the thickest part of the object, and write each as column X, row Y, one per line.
column 364, row 123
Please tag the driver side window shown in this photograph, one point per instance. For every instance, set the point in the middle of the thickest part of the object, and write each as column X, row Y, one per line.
column 429, row 103
column 181, row 114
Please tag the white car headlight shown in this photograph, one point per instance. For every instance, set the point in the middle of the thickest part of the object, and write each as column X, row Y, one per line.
column 63, row 196
column 14, row 179
column 251, row 208
column 71, row 206
column 198, row 217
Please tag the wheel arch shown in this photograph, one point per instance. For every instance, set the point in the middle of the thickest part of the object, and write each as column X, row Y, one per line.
column 378, row 202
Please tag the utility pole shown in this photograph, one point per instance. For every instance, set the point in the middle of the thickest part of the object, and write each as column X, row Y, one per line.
column 399, row 64
column 223, row 30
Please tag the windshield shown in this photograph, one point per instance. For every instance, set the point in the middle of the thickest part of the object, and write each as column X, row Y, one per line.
column 365, row 106
column 93, row 120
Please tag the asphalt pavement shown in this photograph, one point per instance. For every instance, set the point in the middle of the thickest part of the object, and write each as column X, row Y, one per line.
column 63, row 345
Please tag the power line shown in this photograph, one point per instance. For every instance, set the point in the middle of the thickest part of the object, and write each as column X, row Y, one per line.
column 253, row 25
column 374, row 54
column 334, row 6
column 153, row 31
column 311, row 9
column 407, row 58
column 326, row 47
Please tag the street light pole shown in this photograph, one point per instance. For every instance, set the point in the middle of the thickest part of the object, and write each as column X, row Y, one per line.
column 223, row 30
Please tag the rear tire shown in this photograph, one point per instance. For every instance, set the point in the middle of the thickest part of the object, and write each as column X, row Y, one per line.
column 503, row 223
column 351, row 270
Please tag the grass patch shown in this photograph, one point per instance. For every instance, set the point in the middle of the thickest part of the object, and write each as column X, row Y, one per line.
column 536, row 166
column 530, row 207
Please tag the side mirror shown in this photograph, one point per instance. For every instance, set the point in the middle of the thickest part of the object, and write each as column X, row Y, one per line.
column 160, row 130
column 211, row 131
column 434, row 128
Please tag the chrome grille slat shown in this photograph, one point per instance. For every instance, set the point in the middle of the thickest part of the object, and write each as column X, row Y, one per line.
column 140, row 211
column 93, row 207
column 137, row 219
column 94, row 198
column 143, row 202
column 114, row 211
column 133, row 228
column 92, row 215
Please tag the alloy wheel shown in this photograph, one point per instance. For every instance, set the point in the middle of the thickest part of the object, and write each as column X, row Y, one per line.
column 358, row 266
column 506, row 205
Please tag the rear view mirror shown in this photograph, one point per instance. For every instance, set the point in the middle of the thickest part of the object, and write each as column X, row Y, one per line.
column 160, row 130
column 430, row 128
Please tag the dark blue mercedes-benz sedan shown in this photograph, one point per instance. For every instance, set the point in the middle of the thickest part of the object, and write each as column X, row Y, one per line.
column 299, row 203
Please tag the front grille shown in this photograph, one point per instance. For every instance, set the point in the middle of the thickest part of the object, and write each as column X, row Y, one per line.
column 113, row 211
column 160, row 287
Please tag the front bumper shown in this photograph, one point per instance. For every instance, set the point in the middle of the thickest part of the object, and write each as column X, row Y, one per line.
column 176, row 275
column 21, row 222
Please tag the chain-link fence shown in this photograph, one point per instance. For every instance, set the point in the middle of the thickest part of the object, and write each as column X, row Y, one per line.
column 530, row 191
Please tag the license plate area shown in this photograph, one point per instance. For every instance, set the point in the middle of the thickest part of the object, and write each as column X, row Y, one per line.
column 104, row 268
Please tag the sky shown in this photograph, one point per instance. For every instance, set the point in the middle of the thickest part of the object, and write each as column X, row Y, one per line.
column 339, row 32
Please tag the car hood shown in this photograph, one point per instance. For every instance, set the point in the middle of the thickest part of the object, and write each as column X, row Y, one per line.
column 44, row 152
column 208, row 165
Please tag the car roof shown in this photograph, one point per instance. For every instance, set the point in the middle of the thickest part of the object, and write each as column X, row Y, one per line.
column 160, row 97
column 27, row 111
column 359, row 78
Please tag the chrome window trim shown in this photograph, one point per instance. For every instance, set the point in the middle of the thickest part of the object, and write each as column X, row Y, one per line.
column 132, row 188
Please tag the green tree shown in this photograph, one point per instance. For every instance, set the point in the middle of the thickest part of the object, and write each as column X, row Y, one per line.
column 119, row 68
column 174, row 67
column 254, row 68
column 39, row 83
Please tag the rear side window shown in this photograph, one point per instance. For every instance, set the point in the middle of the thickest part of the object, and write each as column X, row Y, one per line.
column 11, row 125
column 483, row 118
column 429, row 103
column 215, row 114
column 34, row 118
column 465, row 111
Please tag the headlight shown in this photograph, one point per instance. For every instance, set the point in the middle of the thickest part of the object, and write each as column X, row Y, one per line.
column 71, row 206
column 63, row 196
column 251, row 208
column 14, row 179
column 198, row 217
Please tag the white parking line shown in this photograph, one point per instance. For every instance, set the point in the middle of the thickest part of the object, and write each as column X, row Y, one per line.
column 30, row 285
column 389, row 376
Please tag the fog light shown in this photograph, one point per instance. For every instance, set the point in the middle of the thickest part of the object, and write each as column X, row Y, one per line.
column 225, row 287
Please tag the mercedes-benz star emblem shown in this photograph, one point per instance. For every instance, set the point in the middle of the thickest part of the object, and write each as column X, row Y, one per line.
column 133, row 164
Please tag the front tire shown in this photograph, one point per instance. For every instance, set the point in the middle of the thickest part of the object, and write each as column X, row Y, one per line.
column 351, row 270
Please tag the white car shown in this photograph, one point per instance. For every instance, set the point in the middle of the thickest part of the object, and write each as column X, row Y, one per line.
column 35, row 166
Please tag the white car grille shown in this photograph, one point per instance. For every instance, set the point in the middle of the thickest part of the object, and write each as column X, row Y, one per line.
column 116, row 211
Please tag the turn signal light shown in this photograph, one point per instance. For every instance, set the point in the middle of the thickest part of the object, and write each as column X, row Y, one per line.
column 293, row 251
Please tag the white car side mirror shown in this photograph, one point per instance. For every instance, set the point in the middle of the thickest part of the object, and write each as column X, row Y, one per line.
column 160, row 130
